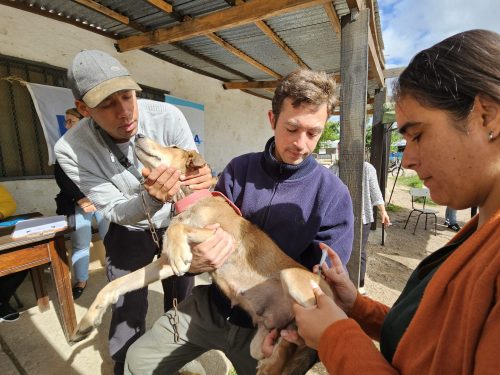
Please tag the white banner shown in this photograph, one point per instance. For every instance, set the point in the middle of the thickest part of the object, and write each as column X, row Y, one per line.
column 195, row 116
column 51, row 104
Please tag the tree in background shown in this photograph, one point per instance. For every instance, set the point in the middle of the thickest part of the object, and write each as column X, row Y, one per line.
column 331, row 133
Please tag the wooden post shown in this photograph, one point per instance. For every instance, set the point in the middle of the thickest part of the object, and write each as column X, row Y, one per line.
column 354, row 78
column 379, row 134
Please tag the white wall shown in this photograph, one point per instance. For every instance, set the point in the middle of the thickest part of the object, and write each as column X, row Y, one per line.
column 235, row 122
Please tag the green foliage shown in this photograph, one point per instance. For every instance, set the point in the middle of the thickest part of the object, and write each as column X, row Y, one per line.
column 331, row 133
column 232, row 372
column 395, row 137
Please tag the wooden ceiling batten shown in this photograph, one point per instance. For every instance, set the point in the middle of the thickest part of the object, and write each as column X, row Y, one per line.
column 251, row 85
column 333, row 17
column 277, row 40
column 373, row 28
column 235, row 51
column 242, row 14
column 264, row 27
column 210, row 61
column 375, row 68
column 161, row 5
column 103, row 10
column 53, row 15
column 261, row 84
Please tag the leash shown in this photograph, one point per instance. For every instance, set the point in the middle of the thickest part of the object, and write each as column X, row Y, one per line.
column 152, row 229
column 114, row 150
column 174, row 321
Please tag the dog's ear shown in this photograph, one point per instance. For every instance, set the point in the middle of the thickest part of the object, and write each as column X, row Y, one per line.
column 195, row 160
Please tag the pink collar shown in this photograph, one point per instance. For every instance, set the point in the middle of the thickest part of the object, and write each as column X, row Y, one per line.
column 195, row 196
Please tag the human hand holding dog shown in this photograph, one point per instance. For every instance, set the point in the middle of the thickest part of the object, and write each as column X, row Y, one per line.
column 162, row 182
column 312, row 321
column 343, row 289
column 272, row 337
column 213, row 252
column 197, row 179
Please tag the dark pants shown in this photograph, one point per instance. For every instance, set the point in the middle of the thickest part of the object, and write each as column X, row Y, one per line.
column 126, row 251
column 9, row 284
column 364, row 239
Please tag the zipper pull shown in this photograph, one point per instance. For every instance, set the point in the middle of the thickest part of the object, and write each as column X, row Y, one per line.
column 112, row 157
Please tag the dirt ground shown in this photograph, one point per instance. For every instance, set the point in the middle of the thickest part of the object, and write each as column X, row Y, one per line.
column 390, row 266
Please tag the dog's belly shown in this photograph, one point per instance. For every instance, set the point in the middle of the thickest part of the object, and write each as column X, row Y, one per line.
column 262, row 297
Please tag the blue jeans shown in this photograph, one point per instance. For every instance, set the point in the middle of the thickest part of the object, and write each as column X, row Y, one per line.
column 81, row 238
column 451, row 216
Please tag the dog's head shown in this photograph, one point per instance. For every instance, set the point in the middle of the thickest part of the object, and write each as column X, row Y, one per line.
column 152, row 154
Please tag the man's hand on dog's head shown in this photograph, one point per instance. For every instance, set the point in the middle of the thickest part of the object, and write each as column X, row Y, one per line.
column 162, row 182
column 198, row 179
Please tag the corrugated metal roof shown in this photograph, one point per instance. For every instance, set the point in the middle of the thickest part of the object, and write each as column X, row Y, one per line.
column 307, row 32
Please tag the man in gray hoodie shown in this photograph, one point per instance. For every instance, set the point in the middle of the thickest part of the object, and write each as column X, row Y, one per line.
column 98, row 156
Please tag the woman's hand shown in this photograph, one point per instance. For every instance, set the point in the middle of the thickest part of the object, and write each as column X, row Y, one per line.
column 162, row 183
column 384, row 217
column 213, row 252
column 199, row 179
column 343, row 289
column 314, row 320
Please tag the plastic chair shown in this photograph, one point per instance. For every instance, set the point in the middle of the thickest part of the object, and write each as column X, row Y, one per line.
column 421, row 193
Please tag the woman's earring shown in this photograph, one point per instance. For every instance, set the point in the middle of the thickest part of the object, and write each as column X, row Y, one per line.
column 490, row 136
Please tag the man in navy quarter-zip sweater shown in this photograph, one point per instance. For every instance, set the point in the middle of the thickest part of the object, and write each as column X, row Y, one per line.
column 287, row 194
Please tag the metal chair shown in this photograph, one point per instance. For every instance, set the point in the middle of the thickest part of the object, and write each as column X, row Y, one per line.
column 423, row 193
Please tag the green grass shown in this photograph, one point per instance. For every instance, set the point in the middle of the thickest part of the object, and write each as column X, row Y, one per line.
column 415, row 182
column 232, row 372
column 393, row 208
column 411, row 181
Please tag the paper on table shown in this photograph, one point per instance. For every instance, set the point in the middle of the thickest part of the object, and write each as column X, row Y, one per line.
column 40, row 225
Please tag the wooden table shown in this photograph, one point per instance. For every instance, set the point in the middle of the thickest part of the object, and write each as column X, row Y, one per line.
column 32, row 253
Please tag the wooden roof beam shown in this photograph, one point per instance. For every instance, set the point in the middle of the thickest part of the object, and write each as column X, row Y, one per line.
column 393, row 72
column 250, row 85
column 235, row 51
column 333, row 17
column 260, row 84
column 93, row 5
column 277, row 40
column 373, row 28
column 376, row 70
column 242, row 14
column 161, row 5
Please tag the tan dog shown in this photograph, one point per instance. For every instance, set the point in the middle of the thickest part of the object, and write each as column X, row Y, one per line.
column 258, row 276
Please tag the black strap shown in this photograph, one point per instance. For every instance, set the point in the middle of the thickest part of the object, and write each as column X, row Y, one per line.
column 120, row 156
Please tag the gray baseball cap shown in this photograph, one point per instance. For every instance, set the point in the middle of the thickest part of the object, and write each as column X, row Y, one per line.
column 94, row 75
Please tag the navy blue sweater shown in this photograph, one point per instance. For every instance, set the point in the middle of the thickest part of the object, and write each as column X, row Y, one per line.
column 298, row 206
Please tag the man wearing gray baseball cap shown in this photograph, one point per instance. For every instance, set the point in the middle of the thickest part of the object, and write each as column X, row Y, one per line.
column 94, row 155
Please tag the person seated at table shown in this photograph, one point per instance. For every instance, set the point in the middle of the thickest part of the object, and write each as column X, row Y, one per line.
column 7, row 203
column 72, row 202
column 9, row 283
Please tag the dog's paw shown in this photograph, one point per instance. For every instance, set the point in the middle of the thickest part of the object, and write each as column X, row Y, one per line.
column 180, row 258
